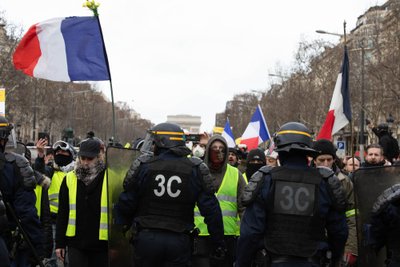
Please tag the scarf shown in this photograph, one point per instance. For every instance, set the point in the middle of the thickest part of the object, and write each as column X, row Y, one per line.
column 87, row 173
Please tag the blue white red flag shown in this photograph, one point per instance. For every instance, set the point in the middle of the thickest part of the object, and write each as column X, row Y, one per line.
column 63, row 49
column 256, row 132
column 339, row 114
column 228, row 135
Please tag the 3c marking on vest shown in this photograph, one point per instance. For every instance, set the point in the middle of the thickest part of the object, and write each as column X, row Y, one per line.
column 162, row 188
column 294, row 198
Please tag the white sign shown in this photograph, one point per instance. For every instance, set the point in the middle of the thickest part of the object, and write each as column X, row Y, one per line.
column 341, row 149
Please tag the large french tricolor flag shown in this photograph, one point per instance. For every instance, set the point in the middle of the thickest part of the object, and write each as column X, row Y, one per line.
column 339, row 114
column 228, row 135
column 63, row 49
column 256, row 132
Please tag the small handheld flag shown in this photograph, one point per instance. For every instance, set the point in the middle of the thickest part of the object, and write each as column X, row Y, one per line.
column 228, row 135
column 256, row 132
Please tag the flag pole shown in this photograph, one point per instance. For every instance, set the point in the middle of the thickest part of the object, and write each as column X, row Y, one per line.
column 351, row 123
column 92, row 5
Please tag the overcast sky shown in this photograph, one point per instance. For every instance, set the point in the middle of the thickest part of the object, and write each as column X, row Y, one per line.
column 170, row 57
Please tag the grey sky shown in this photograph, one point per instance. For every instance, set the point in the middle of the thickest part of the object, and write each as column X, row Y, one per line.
column 190, row 57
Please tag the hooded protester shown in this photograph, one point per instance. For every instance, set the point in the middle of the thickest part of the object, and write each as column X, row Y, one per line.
column 84, row 230
column 230, row 184
column 255, row 160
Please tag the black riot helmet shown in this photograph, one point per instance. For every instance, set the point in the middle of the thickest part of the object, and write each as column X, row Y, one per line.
column 294, row 136
column 5, row 128
column 164, row 135
column 5, row 131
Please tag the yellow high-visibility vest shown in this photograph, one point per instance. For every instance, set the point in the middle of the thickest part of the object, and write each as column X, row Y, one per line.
column 72, row 184
column 245, row 178
column 227, row 197
column 38, row 193
column 54, row 190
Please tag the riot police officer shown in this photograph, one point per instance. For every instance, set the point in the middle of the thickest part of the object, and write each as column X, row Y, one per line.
column 290, row 207
column 4, row 259
column 160, row 192
column 16, row 184
column 385, row 225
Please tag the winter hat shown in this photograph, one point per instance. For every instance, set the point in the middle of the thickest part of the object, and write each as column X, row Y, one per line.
column 324, row 146
column 234, row 151
column 89, row 148
column 256, row 154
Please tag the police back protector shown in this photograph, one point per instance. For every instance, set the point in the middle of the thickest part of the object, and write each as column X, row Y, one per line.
column 166, row 201
column 294, row 226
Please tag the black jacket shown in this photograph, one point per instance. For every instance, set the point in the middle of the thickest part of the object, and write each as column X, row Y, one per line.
column 3, row 216
column 45, row 219
column 87, row 216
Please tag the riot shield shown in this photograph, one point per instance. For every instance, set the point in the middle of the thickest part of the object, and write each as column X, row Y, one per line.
column 369, row 183
column 118, row 162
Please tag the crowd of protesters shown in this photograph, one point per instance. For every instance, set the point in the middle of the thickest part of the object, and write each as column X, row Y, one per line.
column 65, row 197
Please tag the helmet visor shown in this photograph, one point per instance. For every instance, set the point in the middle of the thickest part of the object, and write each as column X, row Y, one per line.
column 12, row 139
column 148, row 143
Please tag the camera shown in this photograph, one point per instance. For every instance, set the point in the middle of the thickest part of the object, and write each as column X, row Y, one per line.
column 193, row 137
column 43, row 135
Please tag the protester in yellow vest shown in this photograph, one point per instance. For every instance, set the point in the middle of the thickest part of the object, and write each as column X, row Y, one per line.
column 43, row 211
column 63, row 162
column 230, row 184
column 82, row 220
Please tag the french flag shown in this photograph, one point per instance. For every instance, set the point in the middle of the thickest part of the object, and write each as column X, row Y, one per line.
column 256, row 132
column 339, row 114
column 63, row 49
column 228, row 135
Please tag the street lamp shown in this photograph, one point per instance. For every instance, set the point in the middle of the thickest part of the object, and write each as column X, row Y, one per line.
column 278, row 75
column 329, row 33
